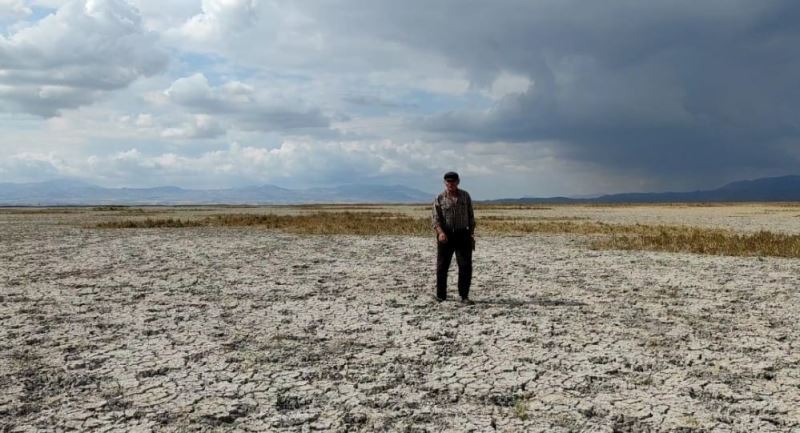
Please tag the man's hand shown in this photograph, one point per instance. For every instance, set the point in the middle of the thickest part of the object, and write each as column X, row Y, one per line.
column 442, row 237
column 472, row 242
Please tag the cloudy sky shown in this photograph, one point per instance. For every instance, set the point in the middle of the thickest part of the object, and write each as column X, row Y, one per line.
column 522, row 97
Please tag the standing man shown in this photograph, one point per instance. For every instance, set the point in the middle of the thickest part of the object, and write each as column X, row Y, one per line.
column 454, row 222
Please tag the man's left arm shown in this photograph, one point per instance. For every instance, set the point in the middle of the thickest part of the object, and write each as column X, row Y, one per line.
column 471, row 216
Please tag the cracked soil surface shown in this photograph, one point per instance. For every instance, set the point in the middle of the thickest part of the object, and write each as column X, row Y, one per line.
column 223, row 329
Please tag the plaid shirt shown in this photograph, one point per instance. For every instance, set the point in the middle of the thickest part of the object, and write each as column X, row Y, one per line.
column 453, row 214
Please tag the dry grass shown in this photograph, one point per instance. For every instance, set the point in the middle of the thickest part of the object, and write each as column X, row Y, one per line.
column 150, row 223
column 323, row 223
column 510, row 206
column 668, row 238
column 520, row 218
column 39, row 211
column 501, row 226
column 340, row 206
column 706, row 241
column 498, row 206
column 610, row 236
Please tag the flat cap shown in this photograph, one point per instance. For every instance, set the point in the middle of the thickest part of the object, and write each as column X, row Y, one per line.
column 451, row 175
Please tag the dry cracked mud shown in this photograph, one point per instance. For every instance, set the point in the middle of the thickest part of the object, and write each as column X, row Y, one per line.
column 222, row 329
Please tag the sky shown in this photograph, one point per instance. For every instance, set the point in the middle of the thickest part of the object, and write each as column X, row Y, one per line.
column 521, row 97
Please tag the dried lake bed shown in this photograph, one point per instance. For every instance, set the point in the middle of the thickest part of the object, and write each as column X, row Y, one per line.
column 246, row 329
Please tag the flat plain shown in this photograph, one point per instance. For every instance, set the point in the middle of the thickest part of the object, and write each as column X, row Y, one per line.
column 244, row 328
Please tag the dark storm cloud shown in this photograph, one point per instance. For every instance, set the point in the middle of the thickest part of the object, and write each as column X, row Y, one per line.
column 704, row 89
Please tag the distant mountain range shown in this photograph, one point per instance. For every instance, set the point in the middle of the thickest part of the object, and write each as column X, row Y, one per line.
column 784, row 188
column 71, row 192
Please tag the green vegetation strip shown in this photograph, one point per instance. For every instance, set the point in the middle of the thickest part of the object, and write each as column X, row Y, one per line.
column 610, row 236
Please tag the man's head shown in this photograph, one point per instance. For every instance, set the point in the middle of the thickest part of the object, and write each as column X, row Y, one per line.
column 451, row 181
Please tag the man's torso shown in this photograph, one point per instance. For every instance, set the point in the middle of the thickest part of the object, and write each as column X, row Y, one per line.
column 455, row 210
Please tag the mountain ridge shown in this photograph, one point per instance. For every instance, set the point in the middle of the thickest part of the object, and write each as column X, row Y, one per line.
column 766, row 189
column 69, row 192
column 76, row 193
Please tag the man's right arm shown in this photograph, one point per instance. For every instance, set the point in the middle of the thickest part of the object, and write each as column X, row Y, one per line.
column 437, row 218
column 437, row 224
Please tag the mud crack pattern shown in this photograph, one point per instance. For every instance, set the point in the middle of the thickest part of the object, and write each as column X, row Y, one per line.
column 250, row 330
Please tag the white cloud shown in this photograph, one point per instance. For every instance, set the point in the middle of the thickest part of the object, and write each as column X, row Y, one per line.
column 76, row 56
column 242, row 104
column 284, row 33
column 297, row 39
column 31, row 167
column 507, row 83
column 195, row 91
column 144, row 120
column 219, row 18
column 161, row 16
column 488, row 171
column 311, row 162
column 200, row 126
column 52, row 4
column 14, row 9
column 220, row 167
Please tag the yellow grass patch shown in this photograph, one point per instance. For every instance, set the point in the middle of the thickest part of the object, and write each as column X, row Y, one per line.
column 606, row 236
column 508, row 206
column 706, row 241
column 325, row 223
column 668, row 238
column 39, row 211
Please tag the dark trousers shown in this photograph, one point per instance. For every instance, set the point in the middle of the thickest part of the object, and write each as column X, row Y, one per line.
column 459, row 243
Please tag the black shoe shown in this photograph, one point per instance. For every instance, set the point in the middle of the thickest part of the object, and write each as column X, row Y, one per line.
column 438, row 299
column 467, row 301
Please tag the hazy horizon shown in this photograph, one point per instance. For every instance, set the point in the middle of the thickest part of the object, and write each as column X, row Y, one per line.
column 774, row 189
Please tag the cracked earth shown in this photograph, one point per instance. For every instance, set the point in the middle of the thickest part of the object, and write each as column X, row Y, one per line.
column 220, row 329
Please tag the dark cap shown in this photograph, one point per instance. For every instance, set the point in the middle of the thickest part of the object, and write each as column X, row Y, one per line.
column 451, row 175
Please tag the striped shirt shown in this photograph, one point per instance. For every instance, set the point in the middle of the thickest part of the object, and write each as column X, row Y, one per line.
column 453, row 213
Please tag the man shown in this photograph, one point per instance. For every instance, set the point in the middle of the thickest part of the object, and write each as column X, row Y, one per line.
column 454, row 222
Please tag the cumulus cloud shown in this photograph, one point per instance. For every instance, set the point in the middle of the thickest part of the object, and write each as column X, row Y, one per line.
column 75, row 56
column 295, row 162
column 301, row 163
column 31, row 167
column 195, row 91
column 14, row 9
column 144, row 120
column 508, row 84
column 200, row 126
column 296, row 40
column 244, row 105
column 221, row 18
column 230, row 27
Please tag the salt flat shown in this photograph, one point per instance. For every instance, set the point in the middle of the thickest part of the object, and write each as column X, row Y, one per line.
column 244, row 329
